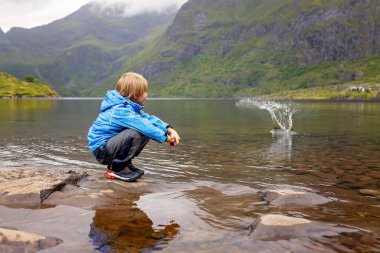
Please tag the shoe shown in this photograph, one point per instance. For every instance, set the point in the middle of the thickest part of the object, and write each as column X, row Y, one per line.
column 134, row 169
column 123, row 175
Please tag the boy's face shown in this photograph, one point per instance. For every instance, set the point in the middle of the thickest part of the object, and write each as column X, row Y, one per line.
column 142, row 98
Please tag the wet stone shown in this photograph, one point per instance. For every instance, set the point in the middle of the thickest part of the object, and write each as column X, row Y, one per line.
column 294, row 197
column 282, row 227
column 28, row 187
column 12, row 240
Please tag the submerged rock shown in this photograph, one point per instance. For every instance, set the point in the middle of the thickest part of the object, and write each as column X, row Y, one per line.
column 370, row 192
column 20, row 241
column 282, row 227
column 68, row 224
column 294, row 197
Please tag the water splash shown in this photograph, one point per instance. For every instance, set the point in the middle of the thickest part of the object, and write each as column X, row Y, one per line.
column 281, row 113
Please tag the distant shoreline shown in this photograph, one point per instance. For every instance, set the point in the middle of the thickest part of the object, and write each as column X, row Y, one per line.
column 205, row 98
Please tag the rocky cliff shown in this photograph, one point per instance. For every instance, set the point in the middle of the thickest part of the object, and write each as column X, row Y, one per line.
column 222, row 48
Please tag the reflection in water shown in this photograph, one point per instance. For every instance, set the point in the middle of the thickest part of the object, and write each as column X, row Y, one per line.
column 128, row 230
column 18, row 106
column 281, row 147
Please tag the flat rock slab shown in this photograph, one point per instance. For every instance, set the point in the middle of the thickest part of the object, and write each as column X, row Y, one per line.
column 34, row 187
column 294, row 197
column 28, row 187
column 282, row 227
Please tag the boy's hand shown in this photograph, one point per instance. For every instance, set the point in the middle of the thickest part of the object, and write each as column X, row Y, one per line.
column 174, row 135
column 170, row 140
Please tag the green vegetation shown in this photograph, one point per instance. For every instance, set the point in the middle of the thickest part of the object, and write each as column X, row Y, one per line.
column 10, row 86
column 30, row 79
column 335, row 92
column 328, row 80
column 265, row 47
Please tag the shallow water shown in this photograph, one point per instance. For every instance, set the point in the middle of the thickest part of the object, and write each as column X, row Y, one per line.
column 214, row 179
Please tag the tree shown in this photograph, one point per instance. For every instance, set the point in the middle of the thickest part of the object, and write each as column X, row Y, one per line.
column 30, row 79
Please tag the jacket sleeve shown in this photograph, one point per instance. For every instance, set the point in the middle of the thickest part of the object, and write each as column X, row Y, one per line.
column 130, row 119
column 155, row 121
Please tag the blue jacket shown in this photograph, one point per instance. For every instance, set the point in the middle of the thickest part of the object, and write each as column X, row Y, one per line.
column 118, row 113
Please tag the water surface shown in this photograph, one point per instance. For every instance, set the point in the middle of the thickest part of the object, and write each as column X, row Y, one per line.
column 227, row 157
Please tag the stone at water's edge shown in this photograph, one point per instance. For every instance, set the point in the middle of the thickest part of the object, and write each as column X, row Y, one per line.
column 20, row 241
column 294, row 197
column 28, row 187
column 32, row 187
column 282, row 227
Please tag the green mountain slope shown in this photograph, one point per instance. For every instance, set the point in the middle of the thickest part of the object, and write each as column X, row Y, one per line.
column 244, row 47
column 81, row 50
column 10, row 86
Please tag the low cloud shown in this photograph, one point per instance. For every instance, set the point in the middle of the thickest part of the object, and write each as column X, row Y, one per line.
column 133, row 7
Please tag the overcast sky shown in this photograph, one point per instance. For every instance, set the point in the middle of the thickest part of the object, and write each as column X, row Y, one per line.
column 31, row 13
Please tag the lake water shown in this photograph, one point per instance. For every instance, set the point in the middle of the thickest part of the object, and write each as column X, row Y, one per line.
column 227, row 157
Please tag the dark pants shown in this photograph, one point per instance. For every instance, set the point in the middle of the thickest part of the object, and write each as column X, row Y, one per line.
column 120, row 149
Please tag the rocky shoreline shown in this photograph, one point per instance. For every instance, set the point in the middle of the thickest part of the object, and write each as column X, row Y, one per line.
column 64, row 209
column 69, row 197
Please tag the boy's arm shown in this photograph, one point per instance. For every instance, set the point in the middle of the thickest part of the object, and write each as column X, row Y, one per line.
column 156, row 121
column 130, row 119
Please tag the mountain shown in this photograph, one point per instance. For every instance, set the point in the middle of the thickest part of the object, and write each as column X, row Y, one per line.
column 254, row 47
column 208, row 48
column 80, row 50
column 10, row 86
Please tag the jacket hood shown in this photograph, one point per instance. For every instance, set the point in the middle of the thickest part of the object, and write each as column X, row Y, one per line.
column 113, row 98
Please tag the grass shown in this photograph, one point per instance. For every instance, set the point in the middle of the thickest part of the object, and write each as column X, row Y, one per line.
column 10, row 86
column 334, row 92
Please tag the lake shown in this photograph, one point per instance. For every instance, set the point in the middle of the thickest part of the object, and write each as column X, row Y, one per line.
column 228, row 157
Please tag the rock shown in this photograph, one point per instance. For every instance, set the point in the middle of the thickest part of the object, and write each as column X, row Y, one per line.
column 20, row 241
column 282, row 227
column 69, row 224
column 35, row 187
column 28, row 187
column 370, row 192
column 65, row 199
column 229, row 189
column 294, row 197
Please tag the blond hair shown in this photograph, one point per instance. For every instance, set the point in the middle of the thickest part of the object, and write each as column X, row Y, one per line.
column 132, row 85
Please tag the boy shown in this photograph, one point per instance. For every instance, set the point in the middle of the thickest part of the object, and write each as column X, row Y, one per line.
column 122, row 128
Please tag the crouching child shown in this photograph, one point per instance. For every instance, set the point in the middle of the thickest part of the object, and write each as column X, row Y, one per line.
column 122, row 128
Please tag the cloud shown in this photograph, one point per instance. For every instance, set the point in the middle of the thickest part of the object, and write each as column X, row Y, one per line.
column 132, row 7
column 31, row 13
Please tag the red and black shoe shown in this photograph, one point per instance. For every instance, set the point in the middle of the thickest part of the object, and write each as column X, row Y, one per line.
column 123, row 175
column 135, row 169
